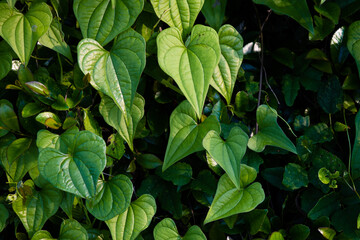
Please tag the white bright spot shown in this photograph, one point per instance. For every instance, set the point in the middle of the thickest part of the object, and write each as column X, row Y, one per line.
column 228, row 238
column 34, row 28
column 15, row 65
column 251, row 47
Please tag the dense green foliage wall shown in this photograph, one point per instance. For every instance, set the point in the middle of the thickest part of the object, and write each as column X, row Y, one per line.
column 179, row 119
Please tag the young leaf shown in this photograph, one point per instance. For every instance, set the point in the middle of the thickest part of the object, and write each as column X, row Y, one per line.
column 42, row 235
column 178, row 13
column 4, row 215
column 166, row 229
column 269, row 132
column 49, row 119
column 225, row 74
column 276, row 236
column 134, row 220
column 115, row 73
column 102, row 22
column 229, row 200
column 186, row 134
column 228, row 154
column 76, row 167
column 31, row 109
column 353, row 42
column 22, row 32
column 192, row 64
column 126, row 126
column 112, row 197
column 355, row 156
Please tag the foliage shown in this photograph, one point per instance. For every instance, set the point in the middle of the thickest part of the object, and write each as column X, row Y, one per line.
column 179, row 119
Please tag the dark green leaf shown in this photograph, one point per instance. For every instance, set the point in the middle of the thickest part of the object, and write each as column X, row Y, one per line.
column 330, row 95
column 295, row 176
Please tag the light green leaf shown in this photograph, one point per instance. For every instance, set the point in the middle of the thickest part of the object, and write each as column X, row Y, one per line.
column 166, row 229
column 353, row 42
column 22, row 32
column 4, row 215
column 76, row 167
column 115, row 73
column 225, row 74
column 276, row 236
column 126, row 126
column 112, row 197
column 269, row 132
column 54, row 39
column 327, row 232
column 49, row 119
column 90, row 123
column 192, row 64
column 42, row 235
column 186, row 134
column 214, row 12
column 18, row 158
column 8, row 118
column 228, row 154
column 178, row 13
column 31, row 109
column 290, row 88
column 296, row 9
column 11, row 3
column 102, row 22
column 128, row 225
column 67, row 204
column 72, row 229
column 355, row 156
column 37, row 208
column 229, row 200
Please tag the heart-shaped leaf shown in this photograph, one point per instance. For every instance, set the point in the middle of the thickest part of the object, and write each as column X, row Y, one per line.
column 270, row 132
column 228, row 154
column 112, row 198
column 178, row 13
column 191, row 65
column 135, row 219
column 229, row 200
column 126, row 126
column 77, row 167
column 225, row 74
column 22, row 32
column 214, row 12
column 103, row 20
column 166, row 229
column 37, row 207
column 353, row 42
column 115, row 73
column 186, row 134
column 42, row 235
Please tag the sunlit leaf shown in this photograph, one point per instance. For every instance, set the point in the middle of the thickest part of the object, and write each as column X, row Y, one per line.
column 166, row 229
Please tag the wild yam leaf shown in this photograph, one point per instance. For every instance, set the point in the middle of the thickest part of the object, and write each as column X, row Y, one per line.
column 353, row 42
column 355, row 156
column 166, row 229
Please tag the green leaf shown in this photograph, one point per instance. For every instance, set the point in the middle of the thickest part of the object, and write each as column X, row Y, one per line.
column 72, row 229
column 323, row 27
column 76, row 167
column 229, row 200
column 42, row 235
column 295, row 176
column 5, row 63
column 22, row 32
column 31, row 109
column 192, row 64
column 102, row 22
column 353, row 42
column 299, row 232
column 67, row 204
column 225, row 74
column 8, row 118
column 134, row 220
column 256, row 220
column 276, row 236
column 338, row 49
column 214, row 12
column 166, row 229
column 327, row 232
column 296, row 9
column 115, row 73
column 49, row 119
column 330, row 95
column 326, row 205
column 290, row 88
column 228, row 154
column 270, row 132
column 4, row 215
column 54, row 39
column 301, row 122
column 36, row 209
column 186, row 134
column 126, row 126
column 179, row 13
column 330, row 10
column 319, row 133
column 284, row 56
column 355, row 156
column 149, row 161
column 179, row 174
column 112, row 198
column 90, row 123
column 19, row 157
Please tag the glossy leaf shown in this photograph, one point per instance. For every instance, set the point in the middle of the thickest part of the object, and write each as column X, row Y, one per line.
column 115, row 73
column 126, row 126
column 31, row 109
column 54, row 39
column 228, row 154
column 269, row 132
column 166, row 229
column 22, row 32
column 42, row 235
column 353, row 42
column 112, row 198
column 77, row 168
column 192, row 64
column 72, row 229
column 186, row 134
column 225, row 74
column 178, row 13
column 297, row 10
column 229, row 200
column 134, row 220
column 276, row 236
column 355, row 156
column 4, row 215
column 103, row 20
column 36, row 209
column 8, row 118
column 338, row 49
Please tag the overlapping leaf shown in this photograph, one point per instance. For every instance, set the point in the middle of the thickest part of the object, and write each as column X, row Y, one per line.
column 355, row 156
column 4, row 215
column 103, row 20
column 191, row 65
column 115, row 73
column 353, row 42
column 166, row 229
column 186, row 134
